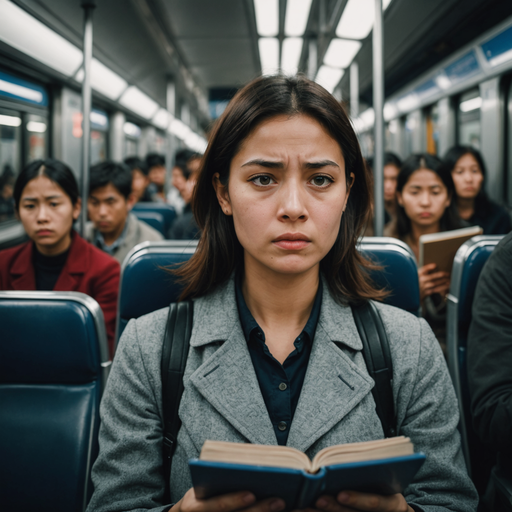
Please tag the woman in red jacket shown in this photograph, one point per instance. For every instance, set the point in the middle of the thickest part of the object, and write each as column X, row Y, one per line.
column 57, row 258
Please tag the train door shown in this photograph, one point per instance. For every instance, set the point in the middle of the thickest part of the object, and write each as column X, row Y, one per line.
column 99, row 136
column 469, row 129
column 132, row 134
column 10, row 160
column 431, row 117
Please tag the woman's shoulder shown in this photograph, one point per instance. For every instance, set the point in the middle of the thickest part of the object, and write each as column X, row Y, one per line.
column 12, row 253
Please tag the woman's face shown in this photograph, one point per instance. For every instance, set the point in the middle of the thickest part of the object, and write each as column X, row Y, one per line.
column 47, row 215
column 467, row 177
column 424, row 198
column 287, row 192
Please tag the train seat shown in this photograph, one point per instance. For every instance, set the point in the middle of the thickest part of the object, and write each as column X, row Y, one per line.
column 53, row 367
column 468, row 264
column 145, row 287
column 154, row 219
column 167, row 212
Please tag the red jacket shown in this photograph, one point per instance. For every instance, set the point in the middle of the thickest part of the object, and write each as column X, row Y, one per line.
column 87, row 270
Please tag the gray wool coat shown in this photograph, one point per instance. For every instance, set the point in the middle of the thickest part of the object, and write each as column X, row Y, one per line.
column 222, row 401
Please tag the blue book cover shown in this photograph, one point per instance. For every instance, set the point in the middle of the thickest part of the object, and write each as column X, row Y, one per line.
column 300, row 489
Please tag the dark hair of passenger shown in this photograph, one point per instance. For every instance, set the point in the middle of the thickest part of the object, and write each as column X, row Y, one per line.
column 450, row 219
column 392, row 159
column 54, row 170
column 116, row 174
column 154, row 160
column 452, row 156
column 136, row 164
column 219, row 252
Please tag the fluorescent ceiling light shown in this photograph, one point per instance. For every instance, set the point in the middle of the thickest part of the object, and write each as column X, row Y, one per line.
column 390, row 111
column 341, row 53
column 267, row 17
column 36, row 127
column 292, row 49
column 269, row 55
column 472, row 104
column 297, row 15
column 358, row 18
column 161, row 119
column 28, row 35
column 21, row 91
column 443, row 82
column 385, row 4
column 134, row 99
column 104, row 80
column 329, row 77
column 10, row 120
column 179, row 128
column 132, row 130
column 409, row 102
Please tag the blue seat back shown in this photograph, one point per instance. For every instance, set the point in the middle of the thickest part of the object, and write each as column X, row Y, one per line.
column 154, row 219
column 53, row 367
column 167, row 212
column 146, row 287
column 468, row 263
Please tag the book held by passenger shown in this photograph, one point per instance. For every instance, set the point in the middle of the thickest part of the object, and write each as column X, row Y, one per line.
column 440, row 248
column 385, row 466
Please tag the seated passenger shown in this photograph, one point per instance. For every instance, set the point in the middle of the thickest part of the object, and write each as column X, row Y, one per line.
column 490, row 358
column 140, row 180
column 113, row 228
column 178, row 179
column 392, row 166
column 281, row 198
column 424, row 205
column 155, row 164
column 57, row 258
column 468, row 172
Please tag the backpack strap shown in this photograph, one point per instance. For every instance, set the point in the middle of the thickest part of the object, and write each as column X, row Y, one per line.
column 377, row 357
column 174, row 358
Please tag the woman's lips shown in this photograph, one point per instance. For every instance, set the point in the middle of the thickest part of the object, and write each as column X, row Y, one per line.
column 425, row 215
column 292, row 245
column 44, row 232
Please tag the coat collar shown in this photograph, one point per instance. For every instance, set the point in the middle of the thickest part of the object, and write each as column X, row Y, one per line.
column 22, row 271
column 333, row 385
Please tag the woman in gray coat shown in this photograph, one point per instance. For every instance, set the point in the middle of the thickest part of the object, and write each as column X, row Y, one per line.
column 275, row 355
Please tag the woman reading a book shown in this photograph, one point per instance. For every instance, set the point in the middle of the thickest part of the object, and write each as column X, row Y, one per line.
column 424, row 205
column 275, row 356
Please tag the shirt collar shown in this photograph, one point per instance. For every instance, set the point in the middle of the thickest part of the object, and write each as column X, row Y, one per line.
column 99, row 241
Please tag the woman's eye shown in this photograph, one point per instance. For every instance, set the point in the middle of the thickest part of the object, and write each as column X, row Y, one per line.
column 54, row 204
column 321, row 181
column 262, row 181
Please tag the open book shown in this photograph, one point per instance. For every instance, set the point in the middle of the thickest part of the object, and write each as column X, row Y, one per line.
column 440, row 248
column 385, row 466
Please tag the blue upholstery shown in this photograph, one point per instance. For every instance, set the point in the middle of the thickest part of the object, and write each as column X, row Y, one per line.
column 154, row 219
column 167, row 212
column 146, row 287
column 51, row 381
column 469, row 261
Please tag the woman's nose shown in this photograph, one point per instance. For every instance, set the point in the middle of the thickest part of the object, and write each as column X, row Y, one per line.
column 42, row 213
column 292, row 205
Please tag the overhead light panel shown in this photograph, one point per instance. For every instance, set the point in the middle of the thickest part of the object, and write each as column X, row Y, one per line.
column 10, row 120
column 138, row 102
column 104, row 80
column 297, row 15
column 21, row 91
column 329, row 77
column 161, row 119
column 472, row 104
column 28, row 35
column 357, row 19
column 292, row 49
column 341, row 53
column 132, row 130
column 36, row 127
column 269, row 55
column 267, row 17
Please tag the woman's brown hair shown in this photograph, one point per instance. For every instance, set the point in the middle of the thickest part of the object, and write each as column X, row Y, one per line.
column 219, row 252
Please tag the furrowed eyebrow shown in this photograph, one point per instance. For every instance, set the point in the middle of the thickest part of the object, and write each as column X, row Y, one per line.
column 322, row 163
column 265, row 163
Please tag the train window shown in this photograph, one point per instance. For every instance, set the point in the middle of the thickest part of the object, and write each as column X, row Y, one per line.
column 410, row 126
column 99, row 132
column 37, row 137
column 131, row 141
column 10, row 160
column 469, row 118
column 432, row 129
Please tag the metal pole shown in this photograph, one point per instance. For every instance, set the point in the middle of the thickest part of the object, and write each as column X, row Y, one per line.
column 313, row 58
column 88, row 7
column 378, row 106
column 354, row 89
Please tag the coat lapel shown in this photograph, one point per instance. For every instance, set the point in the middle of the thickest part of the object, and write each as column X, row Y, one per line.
column 22, row 272
column 334, row 384
column 227, row 378
column 76, row 265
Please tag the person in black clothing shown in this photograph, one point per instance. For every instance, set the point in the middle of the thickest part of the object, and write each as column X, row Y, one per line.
column 468, row 172
column 140, row 179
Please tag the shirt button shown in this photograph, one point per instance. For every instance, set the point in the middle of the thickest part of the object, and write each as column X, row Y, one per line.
column 282, row 426
column 282, row 386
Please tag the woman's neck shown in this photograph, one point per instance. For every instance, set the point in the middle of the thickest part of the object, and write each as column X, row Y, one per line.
column 55, row 249
column 416, row 231
column 466, row 207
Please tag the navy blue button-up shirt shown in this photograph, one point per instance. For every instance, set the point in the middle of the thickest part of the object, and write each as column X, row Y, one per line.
column 280, row 384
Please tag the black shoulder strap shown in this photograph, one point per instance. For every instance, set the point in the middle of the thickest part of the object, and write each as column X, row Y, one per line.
column 174, row 358
column 378, row 362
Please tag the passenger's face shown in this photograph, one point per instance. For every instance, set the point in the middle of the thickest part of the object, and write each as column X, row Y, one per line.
column 47, row 215
column 390, row 177
column 108, row 209
column 139, row 183
column 424, row 198
column 467, row 177
column 178, row 180
column 157, row 175
column 287, row 192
